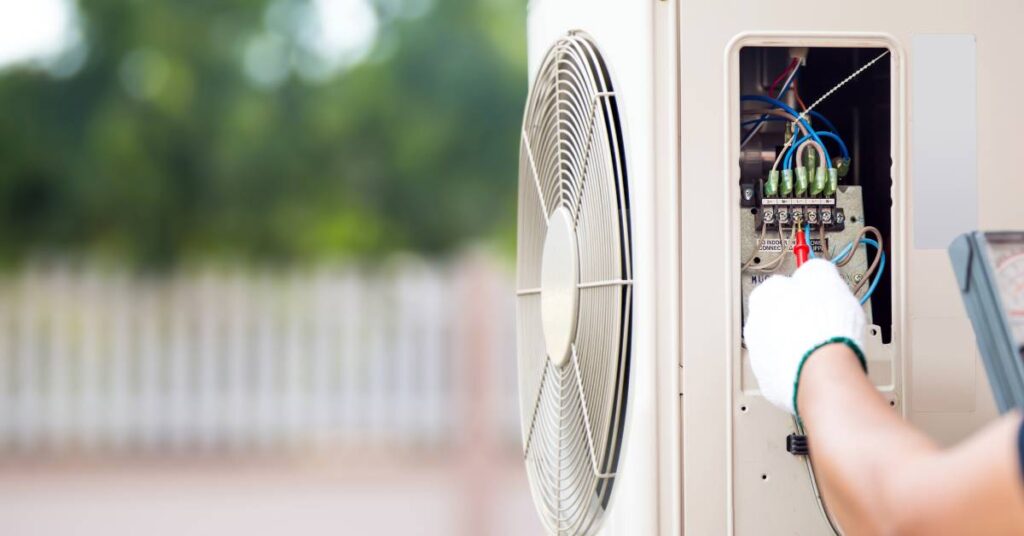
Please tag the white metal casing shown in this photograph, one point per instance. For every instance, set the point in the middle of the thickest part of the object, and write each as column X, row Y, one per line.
column 675, row 68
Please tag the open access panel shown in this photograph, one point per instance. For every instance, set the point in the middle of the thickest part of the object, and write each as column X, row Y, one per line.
column 815, row 134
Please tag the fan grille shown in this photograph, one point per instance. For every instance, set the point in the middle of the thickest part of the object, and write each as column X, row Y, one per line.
column 572, row 169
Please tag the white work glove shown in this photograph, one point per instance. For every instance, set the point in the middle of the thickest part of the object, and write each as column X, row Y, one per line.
column 790, row 318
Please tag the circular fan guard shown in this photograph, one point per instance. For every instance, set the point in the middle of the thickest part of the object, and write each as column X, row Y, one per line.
column 574, row 277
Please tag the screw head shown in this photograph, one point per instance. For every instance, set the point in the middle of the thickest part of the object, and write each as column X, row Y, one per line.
column 857, row 278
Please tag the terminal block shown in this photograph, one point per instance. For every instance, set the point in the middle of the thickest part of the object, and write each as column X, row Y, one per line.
column 786, row 211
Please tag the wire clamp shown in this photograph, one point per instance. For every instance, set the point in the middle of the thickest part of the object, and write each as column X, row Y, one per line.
column 796, row 444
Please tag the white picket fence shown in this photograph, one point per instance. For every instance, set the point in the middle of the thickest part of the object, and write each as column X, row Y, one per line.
column 230, row 360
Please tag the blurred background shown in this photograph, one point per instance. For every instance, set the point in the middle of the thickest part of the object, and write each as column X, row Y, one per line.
column 256, row 267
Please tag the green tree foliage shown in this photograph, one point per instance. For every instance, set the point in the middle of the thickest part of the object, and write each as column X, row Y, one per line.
column 161, row 148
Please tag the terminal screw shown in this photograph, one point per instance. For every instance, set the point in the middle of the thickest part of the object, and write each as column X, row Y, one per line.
column 748, row 193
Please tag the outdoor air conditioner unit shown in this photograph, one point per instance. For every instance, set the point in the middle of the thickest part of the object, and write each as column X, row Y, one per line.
column 649, row 210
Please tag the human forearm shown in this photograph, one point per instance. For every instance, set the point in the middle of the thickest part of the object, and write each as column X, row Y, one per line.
column 880, row 475
column 855, row 438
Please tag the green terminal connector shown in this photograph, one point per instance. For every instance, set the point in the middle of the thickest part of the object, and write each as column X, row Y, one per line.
column 787, row 181
column 832, row 182
column 842, row 165
column 771, row 186
column 801, row 180
column 818, row 184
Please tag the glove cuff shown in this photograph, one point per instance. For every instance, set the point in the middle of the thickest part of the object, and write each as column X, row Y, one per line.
column 850, row 343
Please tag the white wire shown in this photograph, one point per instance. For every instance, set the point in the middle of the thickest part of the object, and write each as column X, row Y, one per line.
column 785, row 86
column 803, row 115
column 817, row 148
column 775, row 262
column 841, row 84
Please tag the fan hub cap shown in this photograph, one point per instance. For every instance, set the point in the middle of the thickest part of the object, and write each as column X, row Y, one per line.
column 559, row 287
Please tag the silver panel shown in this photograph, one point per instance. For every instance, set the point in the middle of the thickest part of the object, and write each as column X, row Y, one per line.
column 944, row 132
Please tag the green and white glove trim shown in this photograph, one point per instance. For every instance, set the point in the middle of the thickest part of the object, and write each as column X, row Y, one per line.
column 791, row 317
column 850, row 343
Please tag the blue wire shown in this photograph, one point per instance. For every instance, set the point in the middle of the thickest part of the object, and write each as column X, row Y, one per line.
column 834, row 134
column 881, row 265
column 842, row 253
column 769, row 118
column 779, row 104
column 818, row 116
column 788, row 161
column 878, row 277
column 830, row 135
column 807, row 238
column 785, row 88
column 833, row 131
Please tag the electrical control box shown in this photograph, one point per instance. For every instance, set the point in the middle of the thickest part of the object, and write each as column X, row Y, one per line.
column 800, row 182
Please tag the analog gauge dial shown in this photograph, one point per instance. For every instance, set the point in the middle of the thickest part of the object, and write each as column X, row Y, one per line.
column 1008, row 258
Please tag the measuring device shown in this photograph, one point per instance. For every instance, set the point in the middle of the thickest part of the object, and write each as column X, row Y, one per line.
column 989, row 268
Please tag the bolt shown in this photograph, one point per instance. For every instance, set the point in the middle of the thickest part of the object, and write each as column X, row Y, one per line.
column 748, row 193
column 857, row 278
column 840, row 217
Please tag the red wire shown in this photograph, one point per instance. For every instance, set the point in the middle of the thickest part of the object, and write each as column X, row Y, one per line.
column 782, row 75
column 799, row 101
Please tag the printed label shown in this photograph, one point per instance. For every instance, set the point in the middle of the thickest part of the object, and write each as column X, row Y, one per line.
column 774, row 245
column 757, row 279
column 813, row 201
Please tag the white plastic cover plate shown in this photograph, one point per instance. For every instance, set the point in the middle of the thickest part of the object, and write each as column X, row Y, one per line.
column 559, row 286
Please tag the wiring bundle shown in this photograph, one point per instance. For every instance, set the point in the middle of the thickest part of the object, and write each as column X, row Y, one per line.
column 802, row 194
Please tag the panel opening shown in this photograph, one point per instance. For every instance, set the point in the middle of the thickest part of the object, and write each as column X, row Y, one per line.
column 853, row 188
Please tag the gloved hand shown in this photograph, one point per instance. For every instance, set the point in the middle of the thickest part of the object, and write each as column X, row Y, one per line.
column 790, row 318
